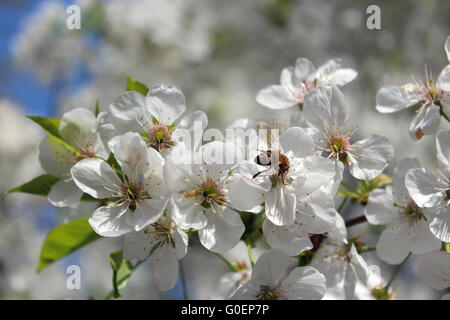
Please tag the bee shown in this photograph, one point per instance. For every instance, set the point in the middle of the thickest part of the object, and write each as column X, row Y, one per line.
column 278, row 167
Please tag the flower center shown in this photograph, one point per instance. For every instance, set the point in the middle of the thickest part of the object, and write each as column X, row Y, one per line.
column 338, row 147
column 164, row 231
column 133, row 193
column 160, row 137
column 412, row 212
column 85, row 152
column 268, row 293
column 207, row 194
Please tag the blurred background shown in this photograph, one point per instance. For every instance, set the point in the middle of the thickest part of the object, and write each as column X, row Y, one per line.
column 220, row 53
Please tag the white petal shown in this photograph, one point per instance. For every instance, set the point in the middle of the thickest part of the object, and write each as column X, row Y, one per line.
column 341, row 77
column 180, row 239
column 440, row 225
column 193, row 125
column 138, row 245
column 360, row 265
column 447, row 47
column 303, row 69
column 55, row 158
column 296, row 139
column 393, row 99
column 244, row 194
column 304, row 283
column 186, row 214
column 280, row 206
column 371, row 157
column 350, row 282
column 165, row 267
column 393, row 245
column 325, row 106
column 434, row 269
column 443, row 151
column 422, row 240
column 328, row 68
column 96, row 177
column 443, row 81
column 291, row 238
column 425, row 122
column 400, row 192
column 287, row 79
column 275, row 97
column 422, row 185
column 110, row 221
column 165, row 103
column 126, row 114
column 270, row 267
column 380, row 207
column 64, row 194
column 78, row 127
column 148, row 211
column 223, row 230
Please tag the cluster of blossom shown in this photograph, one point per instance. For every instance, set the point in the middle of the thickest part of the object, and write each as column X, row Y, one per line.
column 160, row 187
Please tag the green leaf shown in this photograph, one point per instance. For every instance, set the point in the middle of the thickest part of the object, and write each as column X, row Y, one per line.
column 97, row 107
column 38, row 186
column 122, row 270
column 136, row 86
column 65, row 239
column 50, row 125
column 379, row 181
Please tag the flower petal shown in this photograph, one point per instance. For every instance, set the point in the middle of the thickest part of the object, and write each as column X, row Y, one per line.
column 425, row 122
column 434, row 269
column 393, row 99
column 165, row 103
column 305, row 283
column 371, row 156
column 165, row 267
column 293, row 239
column 443, row 151
column 275, row 97
column 96, row 177
column 126, row 114
column 280, row 206
column 422, row 186
column 303, row 69
column 78, row 127
column 223, row 230
column 55, row 158
column 64, row 194
column 110, row 221
column 296, row 139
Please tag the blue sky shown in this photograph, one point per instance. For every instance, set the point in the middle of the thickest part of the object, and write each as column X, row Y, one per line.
column 21, row 86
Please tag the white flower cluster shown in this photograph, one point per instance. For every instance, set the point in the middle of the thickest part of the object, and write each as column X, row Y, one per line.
column 159, row 186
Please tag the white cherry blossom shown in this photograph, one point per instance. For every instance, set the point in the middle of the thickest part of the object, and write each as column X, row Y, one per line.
column 291, row 181
column 407, row 224
column 433, row 96
column 270, row 280
column 325, row 113
column 138, row 198
column 338, row 259
column 169, row 243
column 80, row 140
column 297, row 81
column 156, row 118
column 431, row 191
column 199, row 186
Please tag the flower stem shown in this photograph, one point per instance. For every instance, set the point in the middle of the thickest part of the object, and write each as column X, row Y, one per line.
column 355, row 221
column 228, row 262
column 250, row 254
column 183, row 281
column 342, row 205
column 396, row 271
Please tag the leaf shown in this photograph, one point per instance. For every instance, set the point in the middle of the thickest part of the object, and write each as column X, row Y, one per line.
column 97, row 107
column 136, row 86
column 38, row 186
column 379, row 181
column 50, row 125
column 65, row 239
column 122, row 270
column 41, row 186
